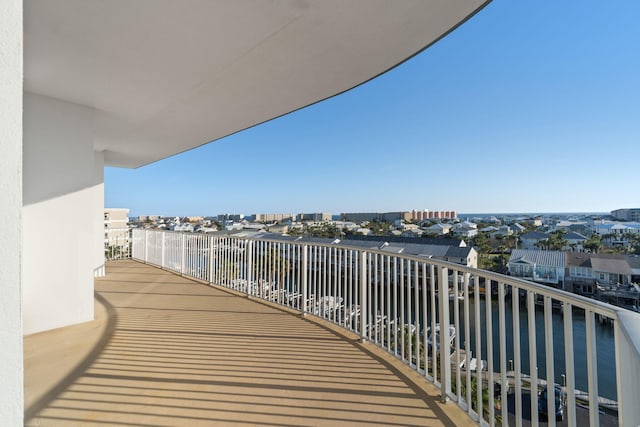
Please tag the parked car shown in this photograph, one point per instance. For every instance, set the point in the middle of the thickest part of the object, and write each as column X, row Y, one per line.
column 560, row 403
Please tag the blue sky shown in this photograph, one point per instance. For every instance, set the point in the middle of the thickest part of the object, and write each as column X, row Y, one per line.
column 531, row 106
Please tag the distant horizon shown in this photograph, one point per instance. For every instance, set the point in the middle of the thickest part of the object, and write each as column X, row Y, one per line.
column 459, row 214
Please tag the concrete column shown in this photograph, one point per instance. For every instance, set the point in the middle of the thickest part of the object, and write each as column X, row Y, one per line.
column 11, row 366
column 97, row 214
column 63, row 201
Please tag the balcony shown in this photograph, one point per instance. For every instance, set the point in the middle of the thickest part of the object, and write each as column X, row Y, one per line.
column 294, row 332
column 166, row 350
column 137, row 91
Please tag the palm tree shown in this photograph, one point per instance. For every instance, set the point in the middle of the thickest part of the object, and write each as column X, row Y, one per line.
column 541, row 244
column 593, row 244
column 556, row 240
column 273, row 261
column 635, row 244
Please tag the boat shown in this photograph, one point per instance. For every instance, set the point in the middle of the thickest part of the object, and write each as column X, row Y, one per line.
column 326, row 305
column 431, row 338
column 474, row 364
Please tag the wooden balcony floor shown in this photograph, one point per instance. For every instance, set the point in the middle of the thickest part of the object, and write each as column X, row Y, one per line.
column 167, row 351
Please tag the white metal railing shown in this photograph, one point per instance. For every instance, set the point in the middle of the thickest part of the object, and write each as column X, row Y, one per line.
column 497, row 339
column 117, row 244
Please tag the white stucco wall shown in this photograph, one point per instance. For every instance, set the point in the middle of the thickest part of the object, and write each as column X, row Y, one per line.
column 98, row 219
column 11, row 367
column 63, row 202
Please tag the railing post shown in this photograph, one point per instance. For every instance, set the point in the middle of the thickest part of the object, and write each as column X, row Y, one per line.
column 627, row 339
column 570, row 384
column 363, row 297
column 131, row 243
column 182, row 252
column 146, row 246
column 248, row 247
column 162, row 250
column 210, row 278
column 548, row 346
column 305, row 277
column 533, row 360
column 502, row 339
column 445, row 353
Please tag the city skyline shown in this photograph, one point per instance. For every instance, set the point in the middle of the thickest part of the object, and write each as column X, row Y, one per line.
column 437, row 215
column 527, row 107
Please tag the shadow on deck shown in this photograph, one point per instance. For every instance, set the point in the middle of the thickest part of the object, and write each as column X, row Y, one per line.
column 165, row 351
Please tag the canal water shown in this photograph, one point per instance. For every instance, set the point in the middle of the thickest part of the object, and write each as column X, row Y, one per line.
column 604, row 343
column 604, row 338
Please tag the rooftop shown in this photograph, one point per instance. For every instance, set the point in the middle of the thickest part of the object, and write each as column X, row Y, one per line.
column 538, row 256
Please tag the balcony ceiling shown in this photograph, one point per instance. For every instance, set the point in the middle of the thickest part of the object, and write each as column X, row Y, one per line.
column 166, row 76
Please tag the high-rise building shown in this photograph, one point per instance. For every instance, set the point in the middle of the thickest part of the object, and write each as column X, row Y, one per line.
column 275, row 217
column 632, row 214
column 427, row 214
column 230, row 217
column 321, row 216
column 375, row 216
column 116, row 231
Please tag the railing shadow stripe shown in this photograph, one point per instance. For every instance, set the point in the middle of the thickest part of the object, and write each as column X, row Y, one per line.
column 82, row 366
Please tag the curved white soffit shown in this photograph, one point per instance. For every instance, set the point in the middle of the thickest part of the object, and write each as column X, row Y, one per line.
column 166, row 76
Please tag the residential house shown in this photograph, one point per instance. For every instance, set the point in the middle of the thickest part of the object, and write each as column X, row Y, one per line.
column 409, row 226
column 364, row 231
column 465, row 229
column 488, row 229
column 251, row 226
column 450, row 251
column 535, row 222
column 575, row 242
column 530, row 240
column 616, row 233
column 586, row 271
column 517, row 228
column 562, row 225
column 538, row 265
column 407, row 240
column 493, row 220
column 579, row 277
column 278, row 228
column 634, row 263
column 205, row 229
column 462, row 255
column 345, row 224
column 412, row 232
column 616, row 228
column 438, row 229
column 502, row 231
column 187, row 226
column 611, row 269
